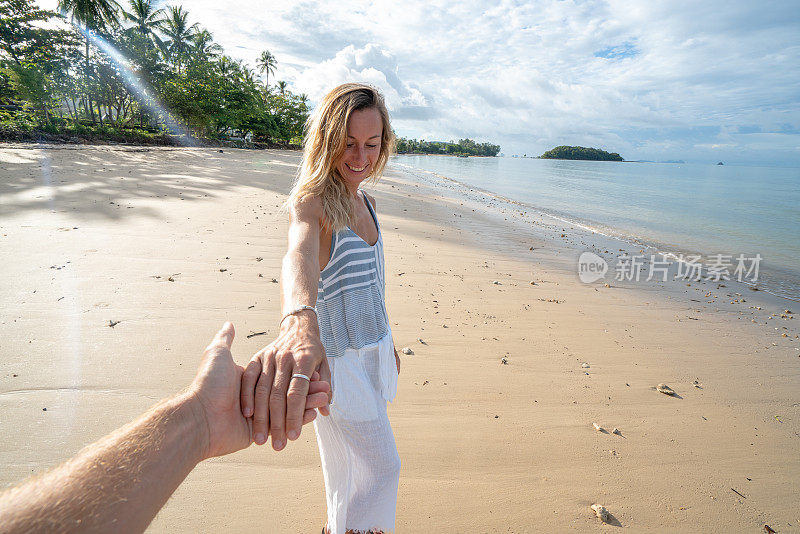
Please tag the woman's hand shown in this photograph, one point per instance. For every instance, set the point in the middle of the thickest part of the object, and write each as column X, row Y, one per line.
column 269, row 394
column 397, row 360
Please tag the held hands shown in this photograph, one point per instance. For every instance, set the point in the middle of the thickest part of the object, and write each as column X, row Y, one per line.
column 215, row 396
column 271, row 396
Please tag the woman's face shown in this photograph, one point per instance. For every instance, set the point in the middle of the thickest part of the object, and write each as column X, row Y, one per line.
column 364, row 134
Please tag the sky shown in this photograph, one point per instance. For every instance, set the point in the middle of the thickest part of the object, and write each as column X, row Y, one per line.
column 652, row 80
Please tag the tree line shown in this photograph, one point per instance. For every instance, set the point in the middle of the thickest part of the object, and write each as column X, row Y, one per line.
column 134, row 68
column 464, row 147
column 579, row 152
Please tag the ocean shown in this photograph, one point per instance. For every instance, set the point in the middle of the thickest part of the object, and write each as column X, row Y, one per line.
column 675, row 208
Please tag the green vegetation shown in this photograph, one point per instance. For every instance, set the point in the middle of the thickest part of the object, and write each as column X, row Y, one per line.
column 139, row 73
column 579, row 152
column 464, row 147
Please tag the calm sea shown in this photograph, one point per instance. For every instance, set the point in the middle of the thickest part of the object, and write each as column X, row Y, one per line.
column 678, row 208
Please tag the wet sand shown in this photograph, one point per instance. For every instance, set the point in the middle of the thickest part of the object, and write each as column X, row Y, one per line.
column 495, row 411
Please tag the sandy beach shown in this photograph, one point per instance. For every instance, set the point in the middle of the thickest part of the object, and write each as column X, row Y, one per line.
column 495, row 408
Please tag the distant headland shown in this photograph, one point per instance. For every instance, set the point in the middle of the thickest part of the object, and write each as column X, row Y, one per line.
column 464, row 147
column 579, row 152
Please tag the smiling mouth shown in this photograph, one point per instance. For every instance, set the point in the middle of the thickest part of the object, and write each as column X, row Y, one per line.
column 356, row 169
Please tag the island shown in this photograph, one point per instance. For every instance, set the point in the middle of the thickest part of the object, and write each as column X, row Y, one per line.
column 464, row 147
column 579, row 152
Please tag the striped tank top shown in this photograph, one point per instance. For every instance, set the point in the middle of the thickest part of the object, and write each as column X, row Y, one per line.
column 351, row 307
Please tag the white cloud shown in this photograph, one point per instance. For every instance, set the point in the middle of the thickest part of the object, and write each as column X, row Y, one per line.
column 652, row 80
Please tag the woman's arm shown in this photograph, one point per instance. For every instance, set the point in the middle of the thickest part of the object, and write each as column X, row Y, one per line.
column 269, row 393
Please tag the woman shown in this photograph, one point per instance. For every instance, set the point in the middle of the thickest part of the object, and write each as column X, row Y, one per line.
column 333, row 298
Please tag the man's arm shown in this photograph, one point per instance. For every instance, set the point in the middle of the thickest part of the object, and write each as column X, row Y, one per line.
column 119, row 483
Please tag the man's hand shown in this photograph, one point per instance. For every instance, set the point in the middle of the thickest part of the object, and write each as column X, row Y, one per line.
column 270, row 395
column 216, row 388
column 121, row 481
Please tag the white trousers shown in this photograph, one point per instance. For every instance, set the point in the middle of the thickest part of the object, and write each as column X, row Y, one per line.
column 359, row 458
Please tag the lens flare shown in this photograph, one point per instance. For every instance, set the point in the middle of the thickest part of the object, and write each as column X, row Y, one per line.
column 144, row 94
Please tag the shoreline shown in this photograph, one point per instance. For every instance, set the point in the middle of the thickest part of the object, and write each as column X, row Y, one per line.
column 495, row 408
column 580, row 238
column 631, row 242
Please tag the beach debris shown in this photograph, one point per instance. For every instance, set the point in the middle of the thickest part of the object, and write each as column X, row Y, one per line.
column 223, row 270
column 665, row 389
column 420, row 340
column 606, row 285
column 407, row 350
column 768, row 529
column 425, row 383
column 601, row 512
column 616, row 431
column 274, row 280
column 496, row 282
column 530, row 248
column 737, row 493
column 112, row 324
column 259, row 258
column 504, row 360
column 787, row 311
column 585, row 365
column 220, row 151
column 254, row 334
column 260, row 275
column 697, row 384
column 251, row 307
column 44, row 409
column 598, row 427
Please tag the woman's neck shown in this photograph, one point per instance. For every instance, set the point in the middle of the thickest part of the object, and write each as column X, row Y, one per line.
column 353, row 190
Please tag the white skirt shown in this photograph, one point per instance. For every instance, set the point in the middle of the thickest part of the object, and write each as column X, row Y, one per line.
column 359, row 458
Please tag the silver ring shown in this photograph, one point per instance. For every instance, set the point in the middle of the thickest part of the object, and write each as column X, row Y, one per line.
column 298, row 375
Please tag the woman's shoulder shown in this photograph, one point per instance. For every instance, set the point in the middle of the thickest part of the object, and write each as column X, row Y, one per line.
column 370, row 198
column 307, row 208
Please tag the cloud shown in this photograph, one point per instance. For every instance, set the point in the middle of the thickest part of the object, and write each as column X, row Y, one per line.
column 651, row 80
column 370, row 64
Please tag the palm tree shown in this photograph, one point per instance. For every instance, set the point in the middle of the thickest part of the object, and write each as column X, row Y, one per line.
column 176, row 27
column 203, row 45
column 227, row 67
column 266, row 64
column 145, row 19
column 94, row 15
column 282, row 87
column 249, row 76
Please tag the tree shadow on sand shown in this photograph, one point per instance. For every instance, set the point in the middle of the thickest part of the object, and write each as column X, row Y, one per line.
column 100, row 182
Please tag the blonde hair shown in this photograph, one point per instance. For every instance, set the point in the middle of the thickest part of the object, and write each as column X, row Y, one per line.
column 325, row 143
